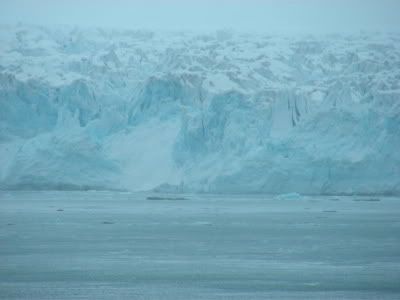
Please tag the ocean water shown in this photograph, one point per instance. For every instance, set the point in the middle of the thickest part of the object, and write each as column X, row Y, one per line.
column 103, row 245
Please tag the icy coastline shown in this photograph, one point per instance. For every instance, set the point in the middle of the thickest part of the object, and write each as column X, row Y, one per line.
column 219, row 112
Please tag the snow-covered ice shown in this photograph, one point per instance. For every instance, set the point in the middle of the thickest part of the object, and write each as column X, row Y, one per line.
column 113, row 245
column 214, row 112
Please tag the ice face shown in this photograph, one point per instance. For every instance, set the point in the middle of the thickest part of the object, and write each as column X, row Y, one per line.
column 92, row 108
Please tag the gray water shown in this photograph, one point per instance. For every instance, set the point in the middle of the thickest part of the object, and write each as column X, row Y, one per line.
column 110, row 245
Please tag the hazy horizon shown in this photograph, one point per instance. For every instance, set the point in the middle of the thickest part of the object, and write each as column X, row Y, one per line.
column 287, row 16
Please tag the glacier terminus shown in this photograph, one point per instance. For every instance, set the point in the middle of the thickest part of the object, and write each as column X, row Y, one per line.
column 216, row 112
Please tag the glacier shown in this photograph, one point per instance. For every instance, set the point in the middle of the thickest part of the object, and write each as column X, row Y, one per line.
column 217, row 112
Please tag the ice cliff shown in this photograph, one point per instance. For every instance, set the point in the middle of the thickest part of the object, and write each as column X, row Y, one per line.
column 217, row 112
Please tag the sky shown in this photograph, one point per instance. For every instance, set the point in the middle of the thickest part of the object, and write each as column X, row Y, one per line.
column 277, row 16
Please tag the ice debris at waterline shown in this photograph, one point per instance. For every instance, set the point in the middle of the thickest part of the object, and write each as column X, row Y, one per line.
column 165, row 198
column 217, row 112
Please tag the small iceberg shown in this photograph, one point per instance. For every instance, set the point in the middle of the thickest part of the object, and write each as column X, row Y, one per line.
column 165, row 198
column 289, row 196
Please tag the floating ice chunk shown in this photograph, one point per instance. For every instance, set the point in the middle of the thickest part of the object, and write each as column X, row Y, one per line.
column 289, row 196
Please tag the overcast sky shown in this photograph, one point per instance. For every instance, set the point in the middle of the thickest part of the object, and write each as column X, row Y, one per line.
column 307, row 16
